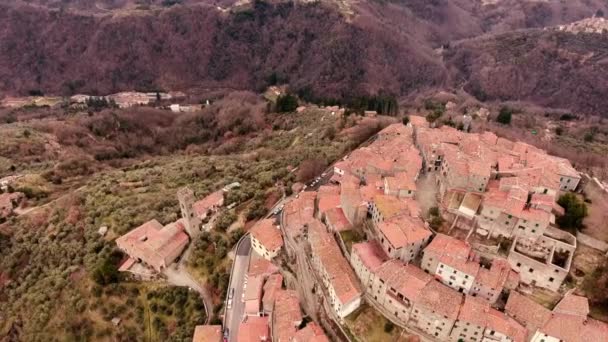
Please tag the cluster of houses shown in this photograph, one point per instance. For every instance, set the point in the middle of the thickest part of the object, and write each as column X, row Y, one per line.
column 431, row 282
column 497, row 188
column 434, row 282
column 271, row 312
column 126, row 99
column 152, row 247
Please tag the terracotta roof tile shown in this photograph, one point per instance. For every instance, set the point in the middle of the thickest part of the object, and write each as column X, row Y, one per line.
column 341, row 276
column 153, row 243
column 440, row 299
column 267, row 234
column 254, row 329
column 370, row 253
column 526, row 311
column 287, row 316
column 207, row 333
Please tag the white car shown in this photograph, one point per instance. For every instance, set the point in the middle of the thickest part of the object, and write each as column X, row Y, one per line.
column 229, row 303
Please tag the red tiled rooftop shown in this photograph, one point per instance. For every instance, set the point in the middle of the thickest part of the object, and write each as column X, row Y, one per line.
column 341, row 276
column 328, row 201
column 390, row 206
column 153, row 243
column 287, row 315
column 403, row 230
column 254, row 329
column 407, row 279
column 267, row 234
column 496, row 276
column 444, row 244
column 207, row 333
column 573, row 305
column 440, row 299
column 370, row 253
column 337, row 219
column 271, row 288
column 499, row 322
column 201, row 207
column 259, row 266
column 474, row 310
column 526, row 311
column 312, row 332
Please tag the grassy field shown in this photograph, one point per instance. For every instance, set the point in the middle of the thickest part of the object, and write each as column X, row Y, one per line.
column 370, row 326
column 46, row 247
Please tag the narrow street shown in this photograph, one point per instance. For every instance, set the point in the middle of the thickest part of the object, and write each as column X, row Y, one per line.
column 235, row 313
column 178, row 275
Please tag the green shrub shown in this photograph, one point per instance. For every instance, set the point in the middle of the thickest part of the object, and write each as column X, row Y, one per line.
column 504, row 116
column 575, row 212
column 287, row 103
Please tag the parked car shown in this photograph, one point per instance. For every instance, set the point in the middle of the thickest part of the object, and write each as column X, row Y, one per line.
column 231, row 293
column 229, row 306
column 226, row 333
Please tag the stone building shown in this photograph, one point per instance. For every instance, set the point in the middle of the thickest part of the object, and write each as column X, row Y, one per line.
column 153, row 244
column 544, row 261
column 266, row 239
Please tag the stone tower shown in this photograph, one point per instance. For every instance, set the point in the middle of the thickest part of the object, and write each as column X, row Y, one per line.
column 185, row 196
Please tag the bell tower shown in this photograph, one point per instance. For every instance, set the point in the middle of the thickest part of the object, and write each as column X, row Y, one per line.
column 185, row 196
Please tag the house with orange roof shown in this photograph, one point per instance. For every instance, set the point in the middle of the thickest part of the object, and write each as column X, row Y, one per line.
column 338, row 278
column 569, row 178
column 312, row 332
column 477, row 321
column 153, row 244
column 384, row 207
column 436, row 310
column 452, row 261
column 259, row 266
column 568, row 321
column 271, row 288
column 352, row 204
column 527, row 312
column 253, row 295
column 489, row 283
column 328, row 198
column 266, row 239
column 207, row 333
column 365, row 258
column 400, row 185
column 506, row 210
column 336, row 221
column 210, row 203
column 194, row 213
column 254, row 329
column 403, row 237
column 298, row 213
column 286, row 317
column 396, row 287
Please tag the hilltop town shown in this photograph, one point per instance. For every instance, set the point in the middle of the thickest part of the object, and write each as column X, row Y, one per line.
column 446, row 234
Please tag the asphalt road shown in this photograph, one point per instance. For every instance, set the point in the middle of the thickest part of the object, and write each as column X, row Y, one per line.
column 234, row 315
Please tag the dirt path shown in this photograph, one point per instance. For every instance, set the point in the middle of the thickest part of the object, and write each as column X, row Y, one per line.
column 426, row 193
